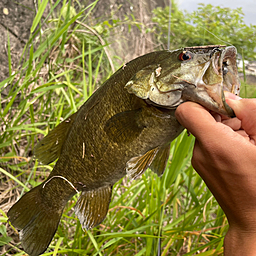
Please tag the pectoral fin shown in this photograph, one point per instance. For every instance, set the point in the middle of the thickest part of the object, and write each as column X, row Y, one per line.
column 160, row 161
column 92, row 206
column 49, row 148
column 139, row 164
column 124, row 127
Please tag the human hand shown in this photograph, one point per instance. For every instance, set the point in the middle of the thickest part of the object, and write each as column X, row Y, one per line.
column 225, row 157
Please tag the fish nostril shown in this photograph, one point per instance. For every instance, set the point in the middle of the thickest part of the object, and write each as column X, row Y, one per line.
column 214, row 50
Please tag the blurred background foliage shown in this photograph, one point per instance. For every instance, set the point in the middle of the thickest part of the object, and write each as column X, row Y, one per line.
column 73, row 47
column 206, row 26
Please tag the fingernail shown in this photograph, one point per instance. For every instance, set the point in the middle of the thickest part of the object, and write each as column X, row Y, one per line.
column 229, row 95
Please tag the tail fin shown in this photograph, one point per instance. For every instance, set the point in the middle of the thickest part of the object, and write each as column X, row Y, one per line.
column 37, row 220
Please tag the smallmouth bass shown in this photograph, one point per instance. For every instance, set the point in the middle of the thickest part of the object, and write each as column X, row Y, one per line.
column 125, row 127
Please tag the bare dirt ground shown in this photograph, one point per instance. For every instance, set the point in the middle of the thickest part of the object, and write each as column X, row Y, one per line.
column 15, row 20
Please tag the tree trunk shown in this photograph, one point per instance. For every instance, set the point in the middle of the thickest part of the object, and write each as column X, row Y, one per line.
column 128, row 42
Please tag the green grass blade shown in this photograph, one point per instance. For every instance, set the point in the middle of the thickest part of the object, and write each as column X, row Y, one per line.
column 57, row 246
column 37, row 19
column 9, row 54
column 94, row 242
column 13, row 178
column 30, row 61
column 90, row 71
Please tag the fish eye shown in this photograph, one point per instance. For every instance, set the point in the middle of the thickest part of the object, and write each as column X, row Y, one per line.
column 185, row 56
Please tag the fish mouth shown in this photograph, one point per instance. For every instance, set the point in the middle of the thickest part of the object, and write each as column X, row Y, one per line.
column 218, row 74
column 221, row 76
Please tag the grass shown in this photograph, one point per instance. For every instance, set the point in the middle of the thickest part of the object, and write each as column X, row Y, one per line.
column 62, row 64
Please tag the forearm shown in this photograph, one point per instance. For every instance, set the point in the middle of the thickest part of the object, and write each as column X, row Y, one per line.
column 239, row 243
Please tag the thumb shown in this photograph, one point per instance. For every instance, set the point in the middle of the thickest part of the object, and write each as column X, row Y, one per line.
column 245, row 110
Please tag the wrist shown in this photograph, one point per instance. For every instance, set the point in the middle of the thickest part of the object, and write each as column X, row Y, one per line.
column 239, row 242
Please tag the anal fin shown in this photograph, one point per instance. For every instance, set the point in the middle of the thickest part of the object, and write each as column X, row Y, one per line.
column 139, row 164
column 92, row 206
column 160, row 161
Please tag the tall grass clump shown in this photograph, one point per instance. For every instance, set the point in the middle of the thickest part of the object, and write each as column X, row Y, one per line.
column 62, row 64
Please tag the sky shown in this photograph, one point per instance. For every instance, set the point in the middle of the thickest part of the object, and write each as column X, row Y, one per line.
column 248, row 7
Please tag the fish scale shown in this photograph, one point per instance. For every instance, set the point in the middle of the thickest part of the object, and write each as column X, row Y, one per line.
column 125, row 127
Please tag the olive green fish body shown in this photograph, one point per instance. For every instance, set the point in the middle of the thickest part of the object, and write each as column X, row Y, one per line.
column 112, row 127
column 99, row 157
column 125, row 127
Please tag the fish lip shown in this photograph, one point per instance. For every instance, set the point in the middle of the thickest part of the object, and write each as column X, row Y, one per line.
column 224, row 61
column 229, row 57
column 215, row 78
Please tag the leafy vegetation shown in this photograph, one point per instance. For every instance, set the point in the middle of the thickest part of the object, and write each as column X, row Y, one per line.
column 67, row 59
column 207, row 25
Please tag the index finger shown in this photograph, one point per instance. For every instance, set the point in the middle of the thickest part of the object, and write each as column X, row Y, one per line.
column 245, row 110
column 196, row 119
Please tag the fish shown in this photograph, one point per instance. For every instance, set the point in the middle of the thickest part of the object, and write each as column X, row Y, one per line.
column 124, row 128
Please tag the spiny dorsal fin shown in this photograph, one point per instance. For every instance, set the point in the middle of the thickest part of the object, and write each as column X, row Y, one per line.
column 92, row 206
column 139, row 164
column 160, row 161
column 49, row 148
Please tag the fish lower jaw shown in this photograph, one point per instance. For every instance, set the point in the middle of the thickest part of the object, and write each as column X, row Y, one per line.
column 208, row 97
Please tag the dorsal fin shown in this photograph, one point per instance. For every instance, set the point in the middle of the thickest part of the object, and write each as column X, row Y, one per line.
column 49, row 148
